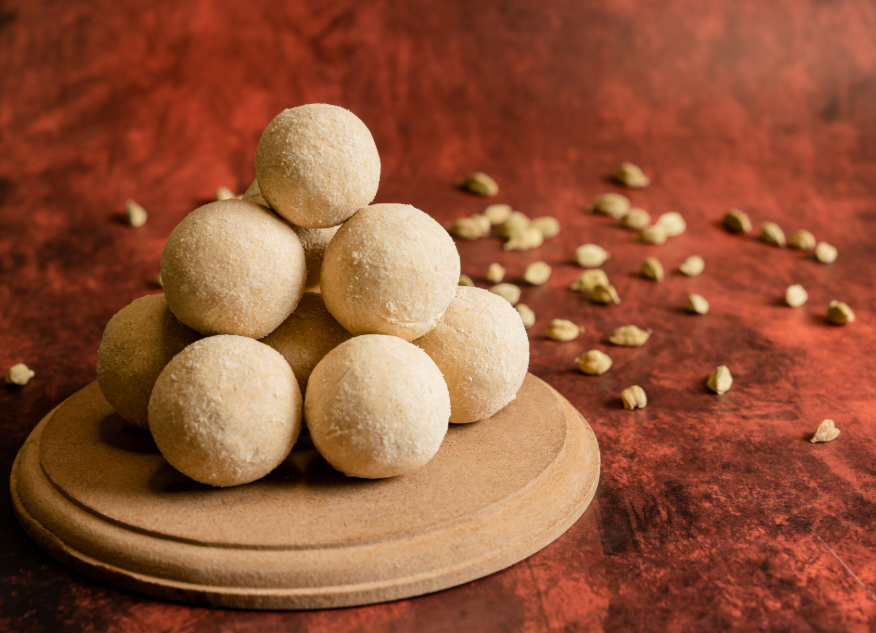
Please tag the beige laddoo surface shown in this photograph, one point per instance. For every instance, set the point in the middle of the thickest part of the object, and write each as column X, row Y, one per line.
column 137, row 343
column 390, row 269
column 233, row 267
column 314, row 241
column 307, row 336
column 317, row 165
column 226, row 410
column 481, row 348
column 377, row 406
column 254, row 194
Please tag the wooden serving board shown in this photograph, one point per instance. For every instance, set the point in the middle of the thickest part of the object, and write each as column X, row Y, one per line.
column 97, row 495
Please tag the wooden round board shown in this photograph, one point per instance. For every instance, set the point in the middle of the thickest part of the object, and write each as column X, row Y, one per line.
column 96, row 494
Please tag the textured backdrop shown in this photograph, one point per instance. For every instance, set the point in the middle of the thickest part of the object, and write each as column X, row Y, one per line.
column 713, row 512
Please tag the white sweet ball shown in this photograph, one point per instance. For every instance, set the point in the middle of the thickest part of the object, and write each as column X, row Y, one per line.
column 481, row 347
column 317, row 165
column 377, row 406
column 226, row 410
column 137, row 344
column 390, row 269
column 233, row 267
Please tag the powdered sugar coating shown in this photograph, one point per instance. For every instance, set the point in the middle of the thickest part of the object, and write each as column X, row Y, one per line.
column 481, row 347
column 233, row 267
column 137, row 344
column 226, row 410
column 377, row 406
column 317, row 164
column 307, row 336
column 390, row 269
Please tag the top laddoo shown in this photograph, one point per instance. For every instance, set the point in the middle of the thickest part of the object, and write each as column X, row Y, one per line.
column 317, row 165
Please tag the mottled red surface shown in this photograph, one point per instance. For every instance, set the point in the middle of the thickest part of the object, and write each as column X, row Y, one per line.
column 713, row 512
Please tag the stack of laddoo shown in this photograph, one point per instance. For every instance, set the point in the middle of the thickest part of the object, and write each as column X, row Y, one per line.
column 303, row 301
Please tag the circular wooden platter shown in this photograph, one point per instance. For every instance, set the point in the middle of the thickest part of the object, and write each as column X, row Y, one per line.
column 96, row 494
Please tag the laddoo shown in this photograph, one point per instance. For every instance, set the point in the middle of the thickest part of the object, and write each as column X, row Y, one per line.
column 390, row 269
column 307, row 336
column 226, row 410
column 377, row 406
column 317, row 165
column 481, row 347
column 233, row 267
column 137, row 343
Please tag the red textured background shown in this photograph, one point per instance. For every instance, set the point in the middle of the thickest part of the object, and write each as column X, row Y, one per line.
column 713, row 512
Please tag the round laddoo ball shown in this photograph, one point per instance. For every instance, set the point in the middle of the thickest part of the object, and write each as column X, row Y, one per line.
column 377, row 406
column 226, row 410
column 137, row 344
column 317, row 165
column 233, row 267
column 314, row 241
column 390, row 269
column 481, row 347
column 307, row 336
